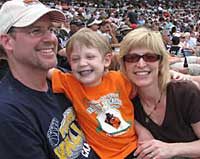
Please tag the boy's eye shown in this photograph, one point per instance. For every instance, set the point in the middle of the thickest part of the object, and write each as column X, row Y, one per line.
column 74, row 59
column 91, row 57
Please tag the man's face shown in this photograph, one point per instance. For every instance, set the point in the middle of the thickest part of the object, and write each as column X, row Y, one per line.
column 74, row 28
column 166, row 37
column 106, row 28
column 35, row 46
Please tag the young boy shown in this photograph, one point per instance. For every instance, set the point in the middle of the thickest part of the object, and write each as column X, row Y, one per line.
column 101, row 98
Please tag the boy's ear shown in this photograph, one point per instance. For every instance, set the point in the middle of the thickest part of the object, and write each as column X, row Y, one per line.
column 108, row 59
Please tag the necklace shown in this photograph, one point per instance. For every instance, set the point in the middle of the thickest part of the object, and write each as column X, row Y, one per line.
column 147, row 117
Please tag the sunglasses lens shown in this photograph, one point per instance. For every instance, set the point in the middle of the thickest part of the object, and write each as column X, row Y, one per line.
column 149, row 57
column 131, row 58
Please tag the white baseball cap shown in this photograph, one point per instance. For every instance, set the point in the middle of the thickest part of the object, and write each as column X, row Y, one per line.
column 93, row 21
column 22, row 13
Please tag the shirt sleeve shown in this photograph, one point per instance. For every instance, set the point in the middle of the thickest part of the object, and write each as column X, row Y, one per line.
column 193, row 109
column 58, row 81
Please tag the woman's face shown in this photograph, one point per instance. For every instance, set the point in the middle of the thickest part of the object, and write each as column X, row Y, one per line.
column 142, row 67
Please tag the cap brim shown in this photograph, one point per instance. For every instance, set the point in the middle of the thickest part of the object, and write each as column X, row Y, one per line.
column 95, row 22
column 127, row 29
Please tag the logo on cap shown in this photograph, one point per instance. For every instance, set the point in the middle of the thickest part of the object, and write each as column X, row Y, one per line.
column 30, row 1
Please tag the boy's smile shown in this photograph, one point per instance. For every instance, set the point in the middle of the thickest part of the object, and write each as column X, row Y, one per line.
column 87, row 65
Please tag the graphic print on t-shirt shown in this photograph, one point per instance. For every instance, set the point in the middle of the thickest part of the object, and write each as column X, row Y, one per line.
column 67, row 139
column 108, row 115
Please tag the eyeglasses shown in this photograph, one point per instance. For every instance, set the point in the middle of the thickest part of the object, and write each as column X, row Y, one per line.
column 149, row 57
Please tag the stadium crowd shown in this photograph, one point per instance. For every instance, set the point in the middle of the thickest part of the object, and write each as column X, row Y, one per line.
column 178, row 22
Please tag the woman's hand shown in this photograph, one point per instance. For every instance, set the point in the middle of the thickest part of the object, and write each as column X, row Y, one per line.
column 154, row 149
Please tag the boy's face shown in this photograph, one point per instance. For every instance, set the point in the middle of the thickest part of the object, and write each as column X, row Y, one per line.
column 88, row 64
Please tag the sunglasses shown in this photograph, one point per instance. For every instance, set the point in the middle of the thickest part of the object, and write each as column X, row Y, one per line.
column 149, row 57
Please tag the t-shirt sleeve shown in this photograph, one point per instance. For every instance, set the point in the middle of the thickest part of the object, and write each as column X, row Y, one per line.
column 186, row 96
column 193, row 109
column 20, row 141
column 58, row 81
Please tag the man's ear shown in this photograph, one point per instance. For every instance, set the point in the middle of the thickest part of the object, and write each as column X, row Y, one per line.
column 108, row 59
column 7, row 42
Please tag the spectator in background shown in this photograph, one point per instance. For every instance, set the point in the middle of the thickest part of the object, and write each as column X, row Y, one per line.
column 93, row 24
column 175, row 49
column 141, row 19
column 132, row 15
column 62, row 33
column 182, row 43
column 166, row 38
column 173, row 30
column 192, row 41
column 187, row 50
column 75, row 25
column 122, row 31
column 107, row 31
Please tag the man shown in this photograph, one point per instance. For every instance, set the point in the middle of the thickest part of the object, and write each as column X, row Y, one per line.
column 93, row 23
column 108, row 30
column 166, row 38
column 75, row 25
column 34, row 123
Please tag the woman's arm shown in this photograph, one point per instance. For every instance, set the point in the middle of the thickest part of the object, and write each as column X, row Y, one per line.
column 162, row 150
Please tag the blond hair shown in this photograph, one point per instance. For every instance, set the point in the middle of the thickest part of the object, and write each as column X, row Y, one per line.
column 151, row 40
column 91, row 39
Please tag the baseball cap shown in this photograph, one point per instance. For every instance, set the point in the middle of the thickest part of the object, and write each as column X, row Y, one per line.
column 124, row 28
column 22, row 13
column 93, row 21
column 77, row 22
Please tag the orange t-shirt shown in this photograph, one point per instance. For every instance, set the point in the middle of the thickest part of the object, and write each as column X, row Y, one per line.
column 104, row 112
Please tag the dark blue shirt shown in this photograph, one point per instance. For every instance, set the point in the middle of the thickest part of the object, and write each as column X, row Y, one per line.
column 36, row 124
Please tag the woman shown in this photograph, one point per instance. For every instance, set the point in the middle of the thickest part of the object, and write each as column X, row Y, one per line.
column 169, row 110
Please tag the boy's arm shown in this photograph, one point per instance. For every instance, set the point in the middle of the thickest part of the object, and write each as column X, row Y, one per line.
column 50, row 73
column 143, row 133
